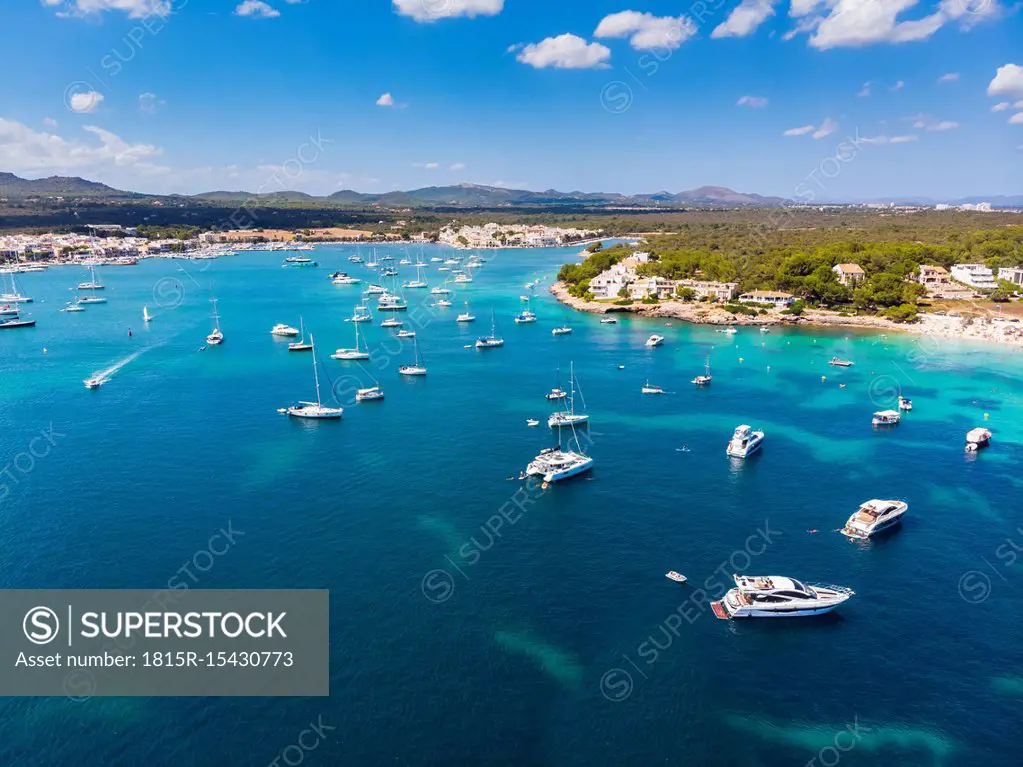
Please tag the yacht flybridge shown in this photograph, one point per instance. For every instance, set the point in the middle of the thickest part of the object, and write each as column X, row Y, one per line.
column 874, row 516
column 313, row 410
column 568, row 417
column 774, row 596
column 745, row 442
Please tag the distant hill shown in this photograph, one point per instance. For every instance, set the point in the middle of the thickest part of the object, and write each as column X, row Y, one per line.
column 467, row 196
column 60, row 186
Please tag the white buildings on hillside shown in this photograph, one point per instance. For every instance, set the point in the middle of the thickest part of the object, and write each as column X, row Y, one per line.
column 716, row 291
column 609, row 282
column 777, row 298
column 1013, row 274
column 974, row 275
column 645, row 287
column 515, row 235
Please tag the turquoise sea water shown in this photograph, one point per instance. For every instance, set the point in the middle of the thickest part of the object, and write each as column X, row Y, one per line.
column 558, row 640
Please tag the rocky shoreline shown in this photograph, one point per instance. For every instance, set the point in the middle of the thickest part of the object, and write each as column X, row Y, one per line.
column 941, row 326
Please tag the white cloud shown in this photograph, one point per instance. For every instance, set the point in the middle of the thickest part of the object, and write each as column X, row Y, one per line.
column 753, row 102
column 826, row 128
column 1008, row 81
column 903, row 139
column 49, row 122
column 426, row 165
column 23, row 149
column 646, row 31
column 855, row 23
column 898, row 86
column 148, row 102
column 457, row 166
column 865, row 90
column 564, row 52
column 135, row 9
column 1001, row 107
column 85, row 102
column 1016, row 119
column 386, row 100
column 888, row 140
column 932, row 124
column 745, row 19
column 801, row 131
column 951, row 77
column 257, row 9
column 431, row 10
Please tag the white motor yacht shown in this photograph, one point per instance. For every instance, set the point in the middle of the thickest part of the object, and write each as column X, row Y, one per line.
column 554, row 464
column 406, row 334
column 466, row 317
column 774, row 596
column 905, row 404
column 374, row 289
column 745, row 442
column 90, row 300
column 391, row 323
column 284, row 331
column 340, row 278
column 300, row 261
column 840, row 363
column 70, row 307
column 728, row 331
column 874, row 516
column 977, row 439
column 655, row 340
column 562, row 330
column 556, row 393
column 649, row 388
column 886, row 418
column 608, row 321
column 93, row 383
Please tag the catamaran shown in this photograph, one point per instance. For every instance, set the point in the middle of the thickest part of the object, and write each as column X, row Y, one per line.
column 216, row 336
column 313, row 410
column 569, row 417
column 358, row 353
column 417, row 368
column 556, row 463
column 491, row 341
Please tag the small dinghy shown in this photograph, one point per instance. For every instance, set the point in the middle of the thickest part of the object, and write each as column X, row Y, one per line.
column 677, row 577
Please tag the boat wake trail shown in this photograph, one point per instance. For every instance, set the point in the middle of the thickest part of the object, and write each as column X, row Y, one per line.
column 105, row 375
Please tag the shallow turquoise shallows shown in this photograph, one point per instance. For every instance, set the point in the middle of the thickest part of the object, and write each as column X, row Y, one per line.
column 546, row 634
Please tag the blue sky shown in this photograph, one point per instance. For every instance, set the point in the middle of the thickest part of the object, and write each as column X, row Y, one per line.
column 848, row 98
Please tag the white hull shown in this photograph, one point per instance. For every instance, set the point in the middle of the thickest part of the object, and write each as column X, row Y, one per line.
column 565, row 420
column 316, row 413
column 578, row 464
column 411, row 370
column 349, row 355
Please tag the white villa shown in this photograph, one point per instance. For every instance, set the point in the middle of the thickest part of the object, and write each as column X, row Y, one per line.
column 776, row 298
column 644, row 287
column 718, row 291
column 849, row 274
column 1013, row 274
column 974, row 275
column 609, row 282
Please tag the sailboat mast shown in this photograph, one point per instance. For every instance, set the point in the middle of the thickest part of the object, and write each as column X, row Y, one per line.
column 316, row 375
column 571, row 387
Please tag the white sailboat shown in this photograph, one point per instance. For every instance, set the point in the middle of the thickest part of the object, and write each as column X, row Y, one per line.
column 300, row 345
column 14, row 296
column 418, row 282
column 705, row 379
column 491, row 341
column 352, row 354
column 417, row 368
column 93, row 283
column 569, row 417
column 146, row 316
column 216, row 336
column 313, row 410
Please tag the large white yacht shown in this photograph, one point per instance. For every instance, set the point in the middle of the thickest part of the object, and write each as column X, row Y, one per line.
column 655, row 340
column 874, row 516
column 977, row 438
column 773, row 596
column 745, row 442
column 555, row 463
column 284, row 331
